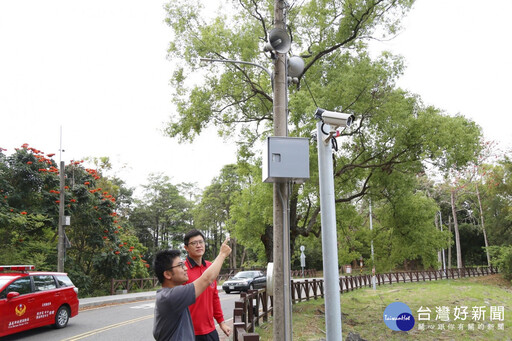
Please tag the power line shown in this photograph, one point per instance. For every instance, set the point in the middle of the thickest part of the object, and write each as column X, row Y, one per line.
column 307, row 86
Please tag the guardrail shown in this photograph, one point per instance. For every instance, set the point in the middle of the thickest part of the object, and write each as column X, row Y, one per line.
column 247, row 314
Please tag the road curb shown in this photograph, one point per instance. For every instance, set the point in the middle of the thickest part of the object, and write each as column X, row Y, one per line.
column 91, row 302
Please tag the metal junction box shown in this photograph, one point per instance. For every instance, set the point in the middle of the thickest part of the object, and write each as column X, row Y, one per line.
column 286, row 159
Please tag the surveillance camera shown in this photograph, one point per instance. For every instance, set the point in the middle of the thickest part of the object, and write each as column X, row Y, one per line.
column 335, row 119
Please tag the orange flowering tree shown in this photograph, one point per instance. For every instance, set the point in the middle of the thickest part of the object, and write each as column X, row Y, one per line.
column 100, row 236
column 28, row 212
column 102, row 245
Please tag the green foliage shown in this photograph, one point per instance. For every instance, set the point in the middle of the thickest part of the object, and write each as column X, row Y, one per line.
column 29, row 211
column 213, row 211
column 497, row 196
column 350, row 234
column 394, row 132
column 251, row 219
column 410, row 231
column 163, row 215
column 501, row 256
column 312, row 251
column 472, row 244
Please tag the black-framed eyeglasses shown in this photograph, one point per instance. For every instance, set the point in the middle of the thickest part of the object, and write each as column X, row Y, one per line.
column 183, row 266
column 196, row 242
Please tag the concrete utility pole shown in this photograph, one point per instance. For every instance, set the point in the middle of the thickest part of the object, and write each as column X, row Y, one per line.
column 61, row 246
column 281, row 246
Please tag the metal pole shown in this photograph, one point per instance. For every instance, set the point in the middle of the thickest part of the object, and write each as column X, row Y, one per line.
column 329, row 238
column 60, row 245
column 374, row 285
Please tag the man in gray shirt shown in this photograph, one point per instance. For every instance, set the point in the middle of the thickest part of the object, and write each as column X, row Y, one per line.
column 172, row 317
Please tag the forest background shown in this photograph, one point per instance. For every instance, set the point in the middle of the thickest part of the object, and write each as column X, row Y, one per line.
column 433, row 181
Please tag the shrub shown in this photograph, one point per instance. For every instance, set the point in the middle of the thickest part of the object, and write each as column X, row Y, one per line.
column 501, row 257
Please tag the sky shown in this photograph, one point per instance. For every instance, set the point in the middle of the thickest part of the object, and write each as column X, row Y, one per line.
column 459, row 58
column 98, row 72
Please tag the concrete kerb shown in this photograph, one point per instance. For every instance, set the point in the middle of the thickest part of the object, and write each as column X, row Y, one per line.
column 91, row 302
column 116, row 299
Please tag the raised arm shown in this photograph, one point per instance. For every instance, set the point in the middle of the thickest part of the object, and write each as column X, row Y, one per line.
column 213, row 270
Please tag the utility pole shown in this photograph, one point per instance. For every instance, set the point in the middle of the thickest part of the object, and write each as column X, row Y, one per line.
column 281, row 238
column 281, row 229
column 60, row 245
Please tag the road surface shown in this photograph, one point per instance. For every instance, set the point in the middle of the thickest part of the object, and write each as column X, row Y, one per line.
column 121, row 322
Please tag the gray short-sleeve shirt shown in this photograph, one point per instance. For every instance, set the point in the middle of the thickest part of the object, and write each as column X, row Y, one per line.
column 172, row 317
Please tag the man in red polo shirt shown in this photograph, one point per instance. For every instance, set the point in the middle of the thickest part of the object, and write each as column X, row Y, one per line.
column 207, row 305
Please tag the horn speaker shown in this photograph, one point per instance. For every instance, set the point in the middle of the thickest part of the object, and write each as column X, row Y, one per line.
column 279, row 41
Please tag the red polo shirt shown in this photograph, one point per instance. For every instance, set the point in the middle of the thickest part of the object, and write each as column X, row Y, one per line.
column 207, row 305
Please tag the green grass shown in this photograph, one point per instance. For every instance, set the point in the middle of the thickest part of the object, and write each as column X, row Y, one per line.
column 363, row 311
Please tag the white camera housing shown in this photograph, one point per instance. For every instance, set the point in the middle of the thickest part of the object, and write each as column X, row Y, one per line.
column 335, row 119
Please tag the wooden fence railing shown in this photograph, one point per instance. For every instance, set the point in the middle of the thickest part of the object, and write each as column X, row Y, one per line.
column 151, row 283
column 247, row 314
column 253, row 306
column 306, row 273
column 133, row 284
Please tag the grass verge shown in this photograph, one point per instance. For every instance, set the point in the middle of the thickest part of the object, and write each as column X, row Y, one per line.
column 363, row 310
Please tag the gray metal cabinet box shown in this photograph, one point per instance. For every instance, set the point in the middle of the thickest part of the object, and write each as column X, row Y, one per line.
column 286, row 159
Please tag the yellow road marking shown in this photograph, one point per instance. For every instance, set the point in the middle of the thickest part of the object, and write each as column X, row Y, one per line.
column 112, row 326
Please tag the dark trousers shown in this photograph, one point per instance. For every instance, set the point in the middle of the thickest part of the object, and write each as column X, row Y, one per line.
column 213, row 336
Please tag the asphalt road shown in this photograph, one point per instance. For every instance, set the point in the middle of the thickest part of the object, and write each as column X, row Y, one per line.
column 129, row 321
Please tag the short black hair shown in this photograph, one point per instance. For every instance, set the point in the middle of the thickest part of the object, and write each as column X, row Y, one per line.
column 192, row 233
column 163, row 261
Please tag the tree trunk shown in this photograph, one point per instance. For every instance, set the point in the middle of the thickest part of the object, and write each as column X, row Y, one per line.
column 483, row 226
column 243, row 258
column 439, row 254
column 450, row 248
column 232, row 257
column 216, row 237
column 155, row 235
column 268, row 240
column 456, row 228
